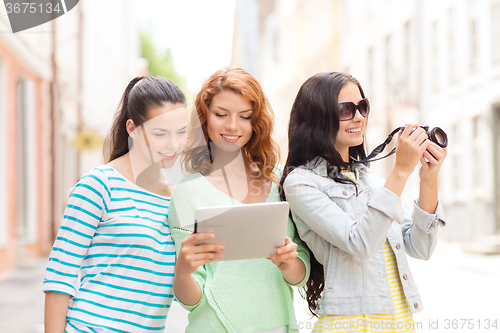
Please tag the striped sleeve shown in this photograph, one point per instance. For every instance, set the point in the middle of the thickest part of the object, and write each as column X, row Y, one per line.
column 87, row 203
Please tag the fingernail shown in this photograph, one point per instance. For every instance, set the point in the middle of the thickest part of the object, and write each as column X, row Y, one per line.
column 273, row 257
column 279, row 251
column 221, row 247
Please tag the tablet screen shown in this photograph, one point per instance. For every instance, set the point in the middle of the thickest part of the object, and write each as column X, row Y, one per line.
column 247, row 231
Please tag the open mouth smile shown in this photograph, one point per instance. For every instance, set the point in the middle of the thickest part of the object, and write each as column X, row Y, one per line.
column 230, row 138
column 354, row 130
column 167, row 156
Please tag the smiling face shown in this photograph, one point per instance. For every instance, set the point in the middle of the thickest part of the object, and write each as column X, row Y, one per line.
column 350, row 131
column 229, row 118
column 163, row 136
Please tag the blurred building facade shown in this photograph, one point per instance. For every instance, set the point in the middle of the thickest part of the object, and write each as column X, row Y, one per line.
column 57, row 80
column 24, row 76
column 435, row 63
column 438, row 63
column 282, row 43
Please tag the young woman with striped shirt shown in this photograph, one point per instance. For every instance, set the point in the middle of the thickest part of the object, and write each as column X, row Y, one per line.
column 112, row 264
column 353, row 220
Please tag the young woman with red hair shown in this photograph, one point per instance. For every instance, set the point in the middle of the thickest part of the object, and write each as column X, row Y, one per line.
column 232, row 159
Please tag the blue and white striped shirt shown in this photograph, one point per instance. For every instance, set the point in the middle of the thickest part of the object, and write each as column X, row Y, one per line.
column 114, row 255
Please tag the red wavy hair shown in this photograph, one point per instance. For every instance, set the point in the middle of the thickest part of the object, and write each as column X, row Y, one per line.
column 261, row 149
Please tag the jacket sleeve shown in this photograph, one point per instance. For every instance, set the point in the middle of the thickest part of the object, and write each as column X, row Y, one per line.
column 304, row 254
column 88, row 201
column 420, row 231
column 180, row 231
column 319, row 219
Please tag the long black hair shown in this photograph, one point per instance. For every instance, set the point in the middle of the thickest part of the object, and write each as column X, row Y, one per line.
column 141, row 94
column 312, row 132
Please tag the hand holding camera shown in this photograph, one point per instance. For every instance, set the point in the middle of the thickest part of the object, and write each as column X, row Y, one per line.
column 431, row 162
column 416, row 143
column 428, row 145
column 412, row 142
column 436, row 135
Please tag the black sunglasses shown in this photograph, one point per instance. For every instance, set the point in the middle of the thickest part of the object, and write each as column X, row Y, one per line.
column 347, row 110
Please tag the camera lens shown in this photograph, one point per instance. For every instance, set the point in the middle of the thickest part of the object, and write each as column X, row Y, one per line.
column 439, row 137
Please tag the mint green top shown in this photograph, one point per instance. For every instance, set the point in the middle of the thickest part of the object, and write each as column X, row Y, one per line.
column 240, row 296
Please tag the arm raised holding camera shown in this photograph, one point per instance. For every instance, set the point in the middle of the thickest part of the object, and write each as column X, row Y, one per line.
column 412, row 142
column 431, row 161
column 418, row 229
column 414, row 145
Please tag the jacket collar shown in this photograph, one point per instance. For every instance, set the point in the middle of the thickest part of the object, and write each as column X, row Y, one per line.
column 319, row 166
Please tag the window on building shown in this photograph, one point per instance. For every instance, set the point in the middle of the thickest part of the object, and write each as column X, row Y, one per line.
column 3, row 154
column 435, row 55
column 473, row 45
column 478, row 151
column 475, row 127
column 496, row 162
column 371, row 68
column 26, row 162
column 452, row 46
column 456, row 159
column 495, row 31
column 272, row 36
column 407, row 55
column 388, row 67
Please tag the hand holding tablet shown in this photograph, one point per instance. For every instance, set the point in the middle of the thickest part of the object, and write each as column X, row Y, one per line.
column 191, row 256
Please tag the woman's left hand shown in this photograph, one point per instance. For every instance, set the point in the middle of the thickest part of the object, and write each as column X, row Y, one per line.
column 288, row 262
column 285, row 255
column 431, row 162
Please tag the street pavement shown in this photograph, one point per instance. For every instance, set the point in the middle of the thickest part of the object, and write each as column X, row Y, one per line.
column 460, row 292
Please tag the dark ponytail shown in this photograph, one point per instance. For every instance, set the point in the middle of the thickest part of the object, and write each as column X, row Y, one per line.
column 141, row 94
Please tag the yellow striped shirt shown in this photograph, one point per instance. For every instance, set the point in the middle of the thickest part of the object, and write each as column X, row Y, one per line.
column 401, row 321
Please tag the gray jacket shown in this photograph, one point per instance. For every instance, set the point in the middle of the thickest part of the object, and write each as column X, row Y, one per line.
column 346, row 233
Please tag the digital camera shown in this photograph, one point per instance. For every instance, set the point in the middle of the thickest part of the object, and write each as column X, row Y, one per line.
column 435, row 134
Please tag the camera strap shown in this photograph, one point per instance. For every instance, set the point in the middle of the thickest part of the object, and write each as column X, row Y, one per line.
column 379, row 149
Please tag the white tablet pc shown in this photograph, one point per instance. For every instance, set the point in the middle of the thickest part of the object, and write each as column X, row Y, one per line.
column 247, row 231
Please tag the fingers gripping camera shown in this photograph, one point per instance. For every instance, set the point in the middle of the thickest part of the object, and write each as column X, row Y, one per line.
column 435, row 134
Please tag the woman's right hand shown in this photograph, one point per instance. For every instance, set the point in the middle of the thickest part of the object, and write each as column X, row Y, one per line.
column 411, row 145
column 192, row 256
column 412, row 142
column 189, row 259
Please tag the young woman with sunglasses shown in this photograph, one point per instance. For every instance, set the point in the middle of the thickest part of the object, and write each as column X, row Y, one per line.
column 233, row 160
column 112, row 264
column 353, row 220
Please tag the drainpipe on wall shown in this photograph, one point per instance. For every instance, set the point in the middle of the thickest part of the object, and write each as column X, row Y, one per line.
column 420, row 62
column 79, row 93
column 53, row 141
